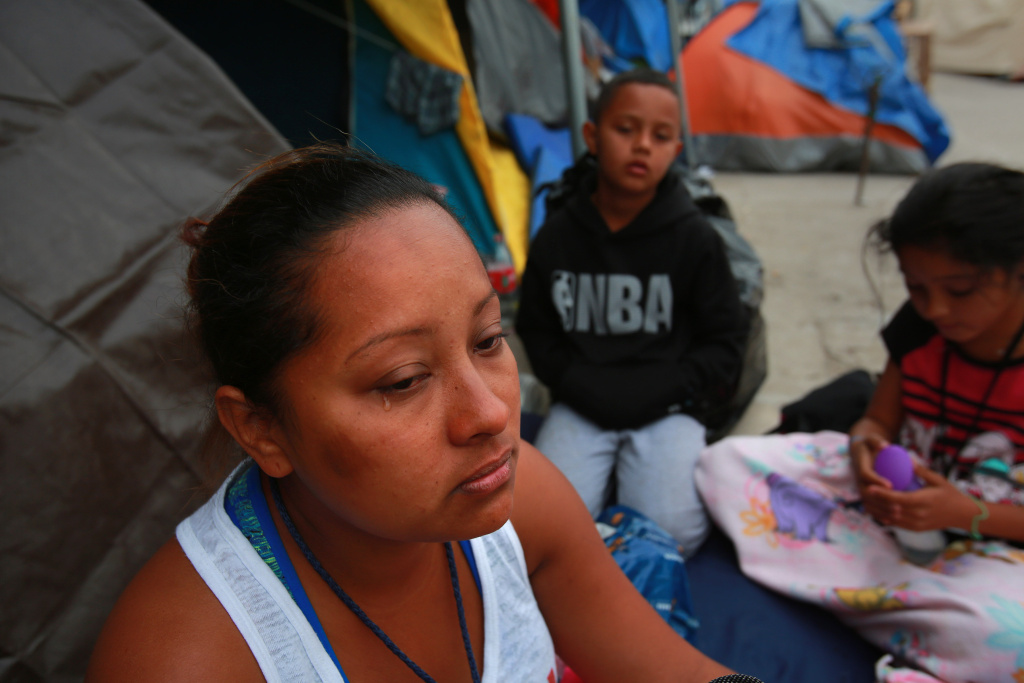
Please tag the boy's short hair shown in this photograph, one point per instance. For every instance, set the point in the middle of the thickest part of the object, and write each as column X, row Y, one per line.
column 643, row 75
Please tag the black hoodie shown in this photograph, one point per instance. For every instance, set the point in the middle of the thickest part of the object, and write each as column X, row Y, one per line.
column 630, row 326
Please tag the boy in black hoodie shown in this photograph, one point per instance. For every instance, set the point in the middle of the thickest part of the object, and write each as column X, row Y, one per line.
column 630, row 315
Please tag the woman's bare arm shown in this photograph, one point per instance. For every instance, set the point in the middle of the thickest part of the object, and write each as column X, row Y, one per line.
column 601, row 625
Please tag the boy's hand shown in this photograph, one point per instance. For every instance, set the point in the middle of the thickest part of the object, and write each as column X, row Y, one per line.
column 936, row 505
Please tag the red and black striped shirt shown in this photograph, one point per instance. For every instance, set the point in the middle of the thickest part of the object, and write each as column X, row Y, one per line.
column 947, row 419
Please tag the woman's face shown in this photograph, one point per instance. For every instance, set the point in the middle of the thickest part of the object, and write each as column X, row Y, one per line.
column 403, row 419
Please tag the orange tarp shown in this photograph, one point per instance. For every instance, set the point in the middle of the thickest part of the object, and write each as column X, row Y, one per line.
column 729, row 93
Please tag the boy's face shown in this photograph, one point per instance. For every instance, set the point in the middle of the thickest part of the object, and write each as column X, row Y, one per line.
column 635, row 140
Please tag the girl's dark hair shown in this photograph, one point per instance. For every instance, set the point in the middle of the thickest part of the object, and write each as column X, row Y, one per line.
column 972, row 211
column 644, row 76
column 253, row 262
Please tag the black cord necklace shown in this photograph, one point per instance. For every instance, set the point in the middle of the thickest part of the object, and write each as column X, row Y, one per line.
column 275, row 490
column 950, row 461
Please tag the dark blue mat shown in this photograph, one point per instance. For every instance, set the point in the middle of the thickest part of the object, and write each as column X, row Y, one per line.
column 758, row 632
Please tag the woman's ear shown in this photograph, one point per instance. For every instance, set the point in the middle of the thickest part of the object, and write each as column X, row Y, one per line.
column 255, row 430
column 590, row 136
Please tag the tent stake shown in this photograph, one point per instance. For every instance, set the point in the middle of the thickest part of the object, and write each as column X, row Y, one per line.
column 865, row 149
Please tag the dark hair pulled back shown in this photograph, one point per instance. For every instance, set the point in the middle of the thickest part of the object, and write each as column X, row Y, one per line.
column 972, row 211
column 253, row 262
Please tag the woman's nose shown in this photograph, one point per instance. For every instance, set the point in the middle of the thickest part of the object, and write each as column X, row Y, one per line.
column 476, row 407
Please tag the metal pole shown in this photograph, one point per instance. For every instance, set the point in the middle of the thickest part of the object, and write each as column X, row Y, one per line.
column 677, row 60
column 574, row 86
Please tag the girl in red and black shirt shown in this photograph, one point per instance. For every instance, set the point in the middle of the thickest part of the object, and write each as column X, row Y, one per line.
column 953, row 389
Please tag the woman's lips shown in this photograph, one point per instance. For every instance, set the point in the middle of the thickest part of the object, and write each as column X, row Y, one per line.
column 490, row 477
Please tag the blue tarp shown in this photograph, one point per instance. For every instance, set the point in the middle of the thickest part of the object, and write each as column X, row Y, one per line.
column 634, row 29
column 544, row 153
column 843, row 76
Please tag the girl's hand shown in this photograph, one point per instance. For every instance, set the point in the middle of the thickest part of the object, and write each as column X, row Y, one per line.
column 863, row 450
column 937, row 505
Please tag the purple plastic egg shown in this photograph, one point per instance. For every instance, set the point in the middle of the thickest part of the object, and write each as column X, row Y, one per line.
column 895, row 464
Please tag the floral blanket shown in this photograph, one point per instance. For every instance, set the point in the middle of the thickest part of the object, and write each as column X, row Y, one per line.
column 788, row 502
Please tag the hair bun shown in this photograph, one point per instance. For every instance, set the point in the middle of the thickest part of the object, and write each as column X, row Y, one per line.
column 193, row 231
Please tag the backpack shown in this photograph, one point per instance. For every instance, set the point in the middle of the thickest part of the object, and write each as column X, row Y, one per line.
column 559, row 191
column 833, row 406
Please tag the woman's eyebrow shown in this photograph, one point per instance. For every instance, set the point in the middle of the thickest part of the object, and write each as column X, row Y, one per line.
column 385, row 336
column 483, row 302
column 412, row 331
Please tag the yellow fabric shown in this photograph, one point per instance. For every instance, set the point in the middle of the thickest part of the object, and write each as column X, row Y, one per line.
column 426, row 29
column 515, row 199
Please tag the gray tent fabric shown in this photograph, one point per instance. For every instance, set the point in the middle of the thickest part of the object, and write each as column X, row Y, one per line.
column 839, row 23
column 519, row 65
column 727, row 152
column 113, row 129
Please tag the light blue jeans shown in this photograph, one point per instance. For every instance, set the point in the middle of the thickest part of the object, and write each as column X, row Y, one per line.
column 653, row 468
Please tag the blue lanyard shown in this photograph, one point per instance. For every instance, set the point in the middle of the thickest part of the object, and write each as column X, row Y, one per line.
column 357, row 610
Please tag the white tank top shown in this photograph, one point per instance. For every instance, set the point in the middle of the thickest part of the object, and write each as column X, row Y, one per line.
column 517, row 645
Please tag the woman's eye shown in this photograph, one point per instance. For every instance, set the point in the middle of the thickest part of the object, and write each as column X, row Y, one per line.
column 961, row 293
column 491, row 343
column 402, row 385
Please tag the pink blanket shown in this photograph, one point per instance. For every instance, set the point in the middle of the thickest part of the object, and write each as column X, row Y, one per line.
column 788, row 502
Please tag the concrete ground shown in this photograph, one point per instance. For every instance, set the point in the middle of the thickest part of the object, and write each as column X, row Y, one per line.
column 821, row 315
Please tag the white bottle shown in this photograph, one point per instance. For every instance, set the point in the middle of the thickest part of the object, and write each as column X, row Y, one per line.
column 920, row 547
column 897, row 465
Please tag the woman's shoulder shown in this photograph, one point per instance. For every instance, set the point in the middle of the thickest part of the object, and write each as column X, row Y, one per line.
column 168, row 625
column 544, row 494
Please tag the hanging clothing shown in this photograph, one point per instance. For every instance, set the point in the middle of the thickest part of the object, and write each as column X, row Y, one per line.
column 423, row 93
